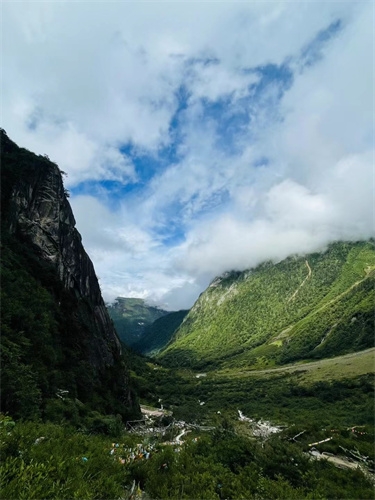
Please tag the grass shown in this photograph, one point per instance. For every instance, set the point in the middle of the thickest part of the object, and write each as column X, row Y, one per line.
column 348, row 366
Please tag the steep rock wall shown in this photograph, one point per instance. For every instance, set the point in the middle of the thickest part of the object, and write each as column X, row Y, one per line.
column 36, row 208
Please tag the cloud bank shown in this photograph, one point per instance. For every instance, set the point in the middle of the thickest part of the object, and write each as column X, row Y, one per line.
column 197, row 138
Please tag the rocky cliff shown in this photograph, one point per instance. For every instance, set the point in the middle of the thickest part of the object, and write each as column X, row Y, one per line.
column 40, row 212
column 38, row 222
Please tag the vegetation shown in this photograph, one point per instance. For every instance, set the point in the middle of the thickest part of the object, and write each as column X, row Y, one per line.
column 131, row 317
column 317, row 306
column 49, row 460
column 54, row 461
column 62, row 414
column 159, row 333
column 47, row 331
column 285, row 397
column 222, row 465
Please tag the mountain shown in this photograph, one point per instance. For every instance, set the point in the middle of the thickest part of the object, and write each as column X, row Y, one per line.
column 315, row 306
column 159, row 333
column 131, row 317
column 65, row 388
column 58, row 341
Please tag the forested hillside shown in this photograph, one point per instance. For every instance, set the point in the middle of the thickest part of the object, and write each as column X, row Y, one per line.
column 158, row 334
column 315, row 306
column 131, row 317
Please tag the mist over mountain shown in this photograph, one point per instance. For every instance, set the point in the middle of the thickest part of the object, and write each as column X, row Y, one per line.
column 316, row 306
column 189, row 153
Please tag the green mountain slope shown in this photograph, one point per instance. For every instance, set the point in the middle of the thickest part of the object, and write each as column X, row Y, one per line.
column 315, row 306
column 131, row 316
column 159, row 333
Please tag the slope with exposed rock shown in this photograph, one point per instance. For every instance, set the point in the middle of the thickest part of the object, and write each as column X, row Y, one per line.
column 315, row 306
column 57, row 334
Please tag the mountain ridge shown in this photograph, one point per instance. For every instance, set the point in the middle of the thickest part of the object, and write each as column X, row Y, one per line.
column 277, row 313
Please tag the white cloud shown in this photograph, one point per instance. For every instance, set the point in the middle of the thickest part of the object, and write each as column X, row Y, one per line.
column 215, row 81
column 128, row 261
column 81, row 80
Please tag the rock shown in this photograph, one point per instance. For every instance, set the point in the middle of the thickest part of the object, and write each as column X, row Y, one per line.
column 39, row 212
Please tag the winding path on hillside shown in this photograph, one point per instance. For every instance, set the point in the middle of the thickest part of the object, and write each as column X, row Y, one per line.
column 345, row 292
column 303, row 282
column 369, row 273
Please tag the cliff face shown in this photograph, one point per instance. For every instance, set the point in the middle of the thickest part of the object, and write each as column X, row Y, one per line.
column 40, row 211
column 38, row 222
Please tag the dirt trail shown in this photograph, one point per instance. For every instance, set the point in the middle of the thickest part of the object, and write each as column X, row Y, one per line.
column 152, row 413
column 303, row 282
column 332, row 301
column 345, row 292
column 342, row 463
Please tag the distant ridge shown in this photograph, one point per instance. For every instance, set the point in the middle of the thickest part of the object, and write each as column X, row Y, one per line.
column 159, row 333
column 131, row 317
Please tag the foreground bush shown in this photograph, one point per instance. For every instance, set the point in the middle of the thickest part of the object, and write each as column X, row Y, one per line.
column 49, row 461
column 53, row 461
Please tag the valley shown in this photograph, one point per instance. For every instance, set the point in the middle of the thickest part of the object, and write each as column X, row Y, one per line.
column 263, row 390
column 132, row 316
column 268, row 434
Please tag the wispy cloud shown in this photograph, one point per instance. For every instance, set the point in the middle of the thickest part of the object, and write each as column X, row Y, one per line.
column 197, row 137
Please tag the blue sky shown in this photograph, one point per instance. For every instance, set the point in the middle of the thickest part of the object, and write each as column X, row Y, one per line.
column 197, row 137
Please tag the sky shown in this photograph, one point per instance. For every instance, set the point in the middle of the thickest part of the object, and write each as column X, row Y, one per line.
column 197, row 137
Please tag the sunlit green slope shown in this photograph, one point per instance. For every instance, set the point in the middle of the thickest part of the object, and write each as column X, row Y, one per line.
column 319, row 305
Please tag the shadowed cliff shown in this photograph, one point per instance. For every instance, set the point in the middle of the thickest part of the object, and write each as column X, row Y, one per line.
column 63, row 309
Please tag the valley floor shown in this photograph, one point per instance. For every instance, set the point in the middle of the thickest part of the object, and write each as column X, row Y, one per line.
column 302, row 431
column 348, row 365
